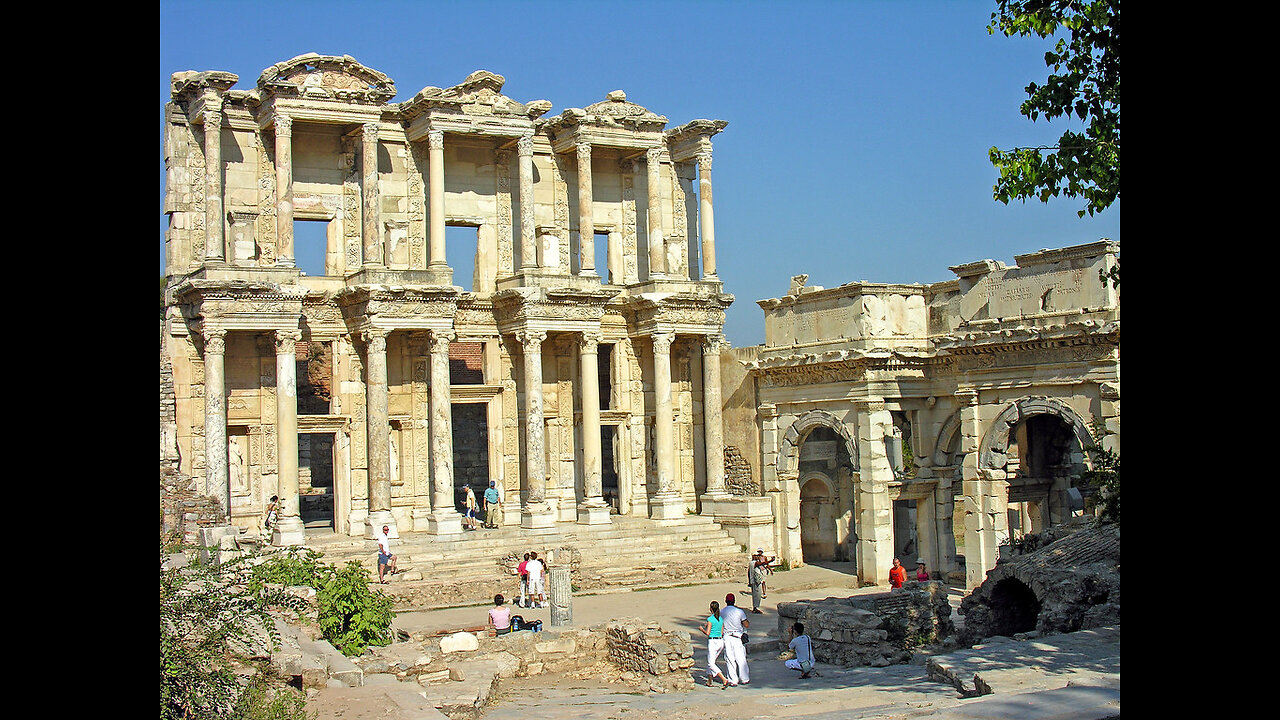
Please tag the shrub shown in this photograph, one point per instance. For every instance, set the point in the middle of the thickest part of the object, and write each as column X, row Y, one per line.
column 353, row 617
column 296, row 566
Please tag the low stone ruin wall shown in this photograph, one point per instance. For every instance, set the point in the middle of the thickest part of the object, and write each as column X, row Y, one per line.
column 644, row 647
column 876, row 630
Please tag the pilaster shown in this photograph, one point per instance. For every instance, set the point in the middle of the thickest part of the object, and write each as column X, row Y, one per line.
column 288, row 529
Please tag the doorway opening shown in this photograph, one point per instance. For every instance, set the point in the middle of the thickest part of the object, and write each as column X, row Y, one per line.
column 470, row 451
column 315, row 479
column 609, row 465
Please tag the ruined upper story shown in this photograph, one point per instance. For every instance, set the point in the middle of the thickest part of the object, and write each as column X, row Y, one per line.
column 603, row 197
column 1047, row 295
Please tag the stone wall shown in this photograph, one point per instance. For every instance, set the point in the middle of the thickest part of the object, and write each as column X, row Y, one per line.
column 738, row 478
column 644, row 647
column 875, row 630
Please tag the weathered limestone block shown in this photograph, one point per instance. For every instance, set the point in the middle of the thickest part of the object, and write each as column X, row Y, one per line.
column 459, row 642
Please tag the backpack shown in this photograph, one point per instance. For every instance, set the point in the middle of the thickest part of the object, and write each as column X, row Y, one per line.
column 517, row 623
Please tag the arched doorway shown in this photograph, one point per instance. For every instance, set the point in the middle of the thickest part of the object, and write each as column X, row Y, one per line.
column 817, row 518
column 1039, row 444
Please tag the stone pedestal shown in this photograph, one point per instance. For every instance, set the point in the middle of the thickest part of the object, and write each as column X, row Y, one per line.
column 668, row 507
column 535, row 517
column 289, row 531
column 373, row 524
column 593, row 514
column 748, row 520
column 444, row 522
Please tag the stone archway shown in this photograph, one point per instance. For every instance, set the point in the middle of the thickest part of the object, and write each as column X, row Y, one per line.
column 789, row 451
column 992, row 453
column 840, row 477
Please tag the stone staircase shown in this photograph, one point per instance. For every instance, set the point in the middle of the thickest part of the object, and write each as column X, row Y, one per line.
column 472, row 567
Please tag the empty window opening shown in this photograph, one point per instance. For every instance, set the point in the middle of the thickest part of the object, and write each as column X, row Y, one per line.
column 461, row 242
column 470, row 452
column 314, row 377
column 311, row 247
column 604, row 356
column 315, row 479
column 602, row 258
column 466, row 363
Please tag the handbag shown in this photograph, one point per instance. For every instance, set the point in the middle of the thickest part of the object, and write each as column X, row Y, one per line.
column 745, row 639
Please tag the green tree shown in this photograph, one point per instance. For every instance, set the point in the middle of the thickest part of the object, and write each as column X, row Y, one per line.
column 1105, row 476
column 1085, row 82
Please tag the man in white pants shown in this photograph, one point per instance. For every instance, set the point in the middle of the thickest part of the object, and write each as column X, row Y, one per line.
column 735, row 653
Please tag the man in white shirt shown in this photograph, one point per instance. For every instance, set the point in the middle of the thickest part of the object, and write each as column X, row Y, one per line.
column 385, row 557
column 735, row 653
column 803, row 647
column 536, row 570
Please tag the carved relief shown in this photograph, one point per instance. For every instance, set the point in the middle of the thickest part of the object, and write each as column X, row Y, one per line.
column 502, row 175
column 266, row 223
column 351, row 205
column 417, row 208
column 561, row 190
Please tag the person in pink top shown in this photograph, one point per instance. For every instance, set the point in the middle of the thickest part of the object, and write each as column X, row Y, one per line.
column 500, row 616
column 922, row 573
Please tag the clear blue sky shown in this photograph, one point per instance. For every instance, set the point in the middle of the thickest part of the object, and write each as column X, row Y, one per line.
column 858, row 131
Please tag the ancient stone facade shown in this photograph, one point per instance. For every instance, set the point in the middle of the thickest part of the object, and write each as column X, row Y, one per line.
column 933, row 422
column 579, row 385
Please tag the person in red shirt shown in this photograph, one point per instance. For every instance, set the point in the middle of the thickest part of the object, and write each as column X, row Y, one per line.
column 897, row 574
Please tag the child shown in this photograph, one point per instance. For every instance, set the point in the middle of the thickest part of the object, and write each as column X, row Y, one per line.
column 803, row 647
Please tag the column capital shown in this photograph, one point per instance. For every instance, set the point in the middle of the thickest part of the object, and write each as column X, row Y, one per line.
column 653, row 156
column 967, row 396
column 369, row 131
column 440, row 340
column 583, row 148
column 704, row 161
column 435, row 139
column 712, row 344
column 376, row 338
column 869, row 406
column 590, row 341
column 287, row 341
column 215, row 341
column 662, row 342
column 284, row 125
column 524, row 145
column 531, row 340
column 212, row 117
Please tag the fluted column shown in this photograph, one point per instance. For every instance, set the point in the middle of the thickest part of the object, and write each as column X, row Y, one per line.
column 657, row 243
column 437, row 266
column 586, row 226
column 284, row 191
column 214, row 247
column 712, row 422
column 592, row 510
column 528, row 251
column 536, row 513
column 666, row 505
column 215, row 419
column 444, row 519
column 288, row 529
column 706, row 217
column 379, row 433
column 372, row 211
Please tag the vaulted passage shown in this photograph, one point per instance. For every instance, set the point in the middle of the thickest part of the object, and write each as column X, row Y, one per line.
column 1014, row 607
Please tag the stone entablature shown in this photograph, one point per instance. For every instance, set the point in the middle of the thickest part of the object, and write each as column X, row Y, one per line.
column 563, row 356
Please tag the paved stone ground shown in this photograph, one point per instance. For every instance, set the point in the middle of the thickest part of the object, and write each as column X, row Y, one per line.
column 1030, row 679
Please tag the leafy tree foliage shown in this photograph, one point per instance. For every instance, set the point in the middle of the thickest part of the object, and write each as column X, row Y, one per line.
column 1105, row 476
column 1084, row 82
column 352, row 616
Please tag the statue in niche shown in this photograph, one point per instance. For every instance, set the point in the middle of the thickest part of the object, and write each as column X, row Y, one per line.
column 237, row 473
column 395, row 459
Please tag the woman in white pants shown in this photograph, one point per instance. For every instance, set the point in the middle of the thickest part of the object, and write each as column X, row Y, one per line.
column 713, row 628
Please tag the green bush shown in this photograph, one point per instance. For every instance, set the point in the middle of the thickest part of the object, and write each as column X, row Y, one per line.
column 1105, row 476
column 353, row 617
column 296, row 566
column 264, row 701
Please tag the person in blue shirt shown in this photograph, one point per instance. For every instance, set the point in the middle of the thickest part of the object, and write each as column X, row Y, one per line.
column 713, row 628
column 492, row 501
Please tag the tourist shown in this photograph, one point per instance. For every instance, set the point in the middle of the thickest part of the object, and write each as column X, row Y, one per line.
column 385, row 558
column 500, row 616
column 755, row 579
column 713, row 628
column 470, row 501
column 523, row 600
column 734, row 623
column 803, row 647
column 273, row 509
column 492, row 501
column 766, row 564
column 897, row 574
column 537, row 570
column 922, row 573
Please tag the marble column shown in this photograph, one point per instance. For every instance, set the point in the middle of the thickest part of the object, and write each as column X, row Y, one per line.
column 592, row 510
column 528, row 250
column 657, row 245
column 586, row 226
column 288, row 529
column 875, row 510
column 667, row 503
column 215, row 420
column 379, row 434
column 977, row 559
column 284, row 191
column 536, row 512
column 712, row 420
column 214, row 246
column 437, row 267
column 371, row 212
column 444, row 519
column 926, row 533
column 706, row 217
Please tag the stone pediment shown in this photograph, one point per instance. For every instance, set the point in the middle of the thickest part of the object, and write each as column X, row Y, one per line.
column 479, row 94
column 327, row 77
column 613, row 112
